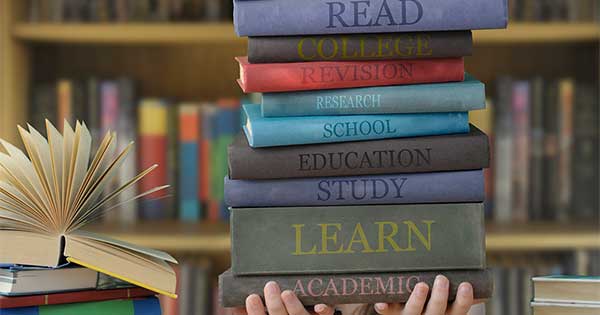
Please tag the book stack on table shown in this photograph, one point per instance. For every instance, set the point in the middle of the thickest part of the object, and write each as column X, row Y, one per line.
column 358, row 175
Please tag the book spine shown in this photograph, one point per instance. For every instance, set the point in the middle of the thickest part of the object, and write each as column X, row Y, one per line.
column 420, row 98
column 152, row 150
column 109, row 117
column 503, row 147
column 565, row 145
column 439, row 187
column 72, row 297
column 368, row 288
column 344, row 239
column 271, row 132
column 392, row 156
column 127, row 213
column 188, row 163
column 321, row 75
column 386, row 46
column 521, row 134
column 536, row 170
column 64, row 102
column 377, row 16
column 551, row 135
column 146, row 306
column 208, row 117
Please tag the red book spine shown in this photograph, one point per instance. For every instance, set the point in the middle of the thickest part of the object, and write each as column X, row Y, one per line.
column 297, row 76
column 153, row 150
column 72, row 297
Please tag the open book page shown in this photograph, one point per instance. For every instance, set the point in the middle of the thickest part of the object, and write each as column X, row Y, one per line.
column 130, row 265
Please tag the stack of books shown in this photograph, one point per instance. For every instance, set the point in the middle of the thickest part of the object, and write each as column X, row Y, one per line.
column 359, row 174
column 566, row 295
column 52, row 266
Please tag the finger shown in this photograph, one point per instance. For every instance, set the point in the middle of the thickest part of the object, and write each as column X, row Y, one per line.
column 388, row 309
column 323, row 309
column 254, row 305
column 273, row 299
column 292, row 303
column 416, row 301
column 464, row 300
column 238, row 311
column 439, row 296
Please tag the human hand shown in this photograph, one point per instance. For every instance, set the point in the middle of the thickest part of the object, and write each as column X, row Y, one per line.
column 279, row 303
column 438, row 303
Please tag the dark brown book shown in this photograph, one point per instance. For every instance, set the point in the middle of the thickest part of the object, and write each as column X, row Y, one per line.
column 346, row 47
column 390, row 156
column 350, row 288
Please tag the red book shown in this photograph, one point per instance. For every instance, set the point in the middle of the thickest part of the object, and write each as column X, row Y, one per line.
column 72, row 297
column 297, row 76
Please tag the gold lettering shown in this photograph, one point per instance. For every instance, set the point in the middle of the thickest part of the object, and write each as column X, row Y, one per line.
column 322, row 52
column 345, row 49
column 383, row 43
column 325, row 238
column 383, row 238
column 358, row 231
column 299, row 252
column 412, row 228
column 301, row 48
column 423, row 45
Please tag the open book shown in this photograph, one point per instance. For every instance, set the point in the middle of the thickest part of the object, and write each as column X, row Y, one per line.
column 48, row 195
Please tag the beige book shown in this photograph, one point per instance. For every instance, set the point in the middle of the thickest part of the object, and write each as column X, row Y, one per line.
column 54, row 189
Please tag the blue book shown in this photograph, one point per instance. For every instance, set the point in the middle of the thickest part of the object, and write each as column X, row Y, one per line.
column 188, row 182
column 146, row 306
column 440, row 187
column 398, row 99
column 282, row 131
column 293, row 17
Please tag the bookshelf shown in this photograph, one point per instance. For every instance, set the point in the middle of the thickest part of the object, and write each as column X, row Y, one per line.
column 195, row 61
column 204, row 238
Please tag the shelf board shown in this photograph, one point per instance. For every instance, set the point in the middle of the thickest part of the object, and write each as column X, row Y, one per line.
column 222, row 32
column 214, row 238
column 128, row 33
column 540, row 33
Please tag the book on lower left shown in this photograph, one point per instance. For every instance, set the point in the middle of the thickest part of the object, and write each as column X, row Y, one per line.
column 144, row 306
column 49, row 192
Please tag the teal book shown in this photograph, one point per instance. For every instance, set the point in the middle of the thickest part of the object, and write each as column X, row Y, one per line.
column 284, row 131
column 398, row 99
column 146, row 306
column 357, row 239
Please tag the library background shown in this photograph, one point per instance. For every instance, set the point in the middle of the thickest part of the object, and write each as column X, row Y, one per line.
column 166, row 69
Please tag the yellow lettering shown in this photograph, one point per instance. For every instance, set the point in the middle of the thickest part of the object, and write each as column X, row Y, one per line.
column 358, row 231
column 412, row 228
column 325, row 238
column 345, row 49
column 299, row 252
column 423, row 45
column 383, row 238
column 322, row 52
column 301, row 48
column 383, row 43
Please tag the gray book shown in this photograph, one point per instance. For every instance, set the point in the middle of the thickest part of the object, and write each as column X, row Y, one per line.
column 347, row 239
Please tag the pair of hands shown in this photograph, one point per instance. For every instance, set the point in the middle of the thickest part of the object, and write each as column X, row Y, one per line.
column 286, row 302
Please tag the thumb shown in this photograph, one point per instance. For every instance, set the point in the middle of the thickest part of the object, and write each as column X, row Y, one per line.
column 322, row 309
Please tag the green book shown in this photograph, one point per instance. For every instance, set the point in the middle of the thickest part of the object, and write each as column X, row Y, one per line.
column 146, row 306
column 349, row 239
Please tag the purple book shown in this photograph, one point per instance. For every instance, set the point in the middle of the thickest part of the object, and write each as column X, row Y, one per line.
column 294, row 17
column 440, row 187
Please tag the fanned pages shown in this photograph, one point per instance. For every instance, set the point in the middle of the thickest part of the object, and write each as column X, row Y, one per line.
column 56, row 187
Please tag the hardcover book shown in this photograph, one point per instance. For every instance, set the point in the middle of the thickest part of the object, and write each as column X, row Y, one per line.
column 393, row 287
column 50, row 193
column 339, row 47
column 438, row 187
column 146, row 306
column 28, row 281
column 357, row 239
column 567, row 289
column 322, row 75
column 390, row 156
column 278, row 131
column 189, row 130
column 376, row 16
column 399, row 99
column 72, row 297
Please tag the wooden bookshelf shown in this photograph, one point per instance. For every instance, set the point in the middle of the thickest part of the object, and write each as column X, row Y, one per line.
column 186, row 33
column 207, row 238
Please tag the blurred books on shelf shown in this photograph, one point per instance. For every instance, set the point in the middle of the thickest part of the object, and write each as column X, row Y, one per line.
column 127, row 11
column 554, row 11
column 545, row 140
column 188, row 141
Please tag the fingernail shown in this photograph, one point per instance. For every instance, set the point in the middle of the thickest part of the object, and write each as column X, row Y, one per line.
column 287, row 294
column 253, row 300
column 464, row 289
column 422, row 289
column 441, row 282
column 271, row 288
column 381, row 306
column 319, row 308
